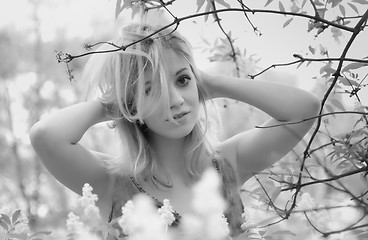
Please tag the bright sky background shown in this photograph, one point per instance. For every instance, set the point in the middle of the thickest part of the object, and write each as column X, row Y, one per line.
column 276, row 45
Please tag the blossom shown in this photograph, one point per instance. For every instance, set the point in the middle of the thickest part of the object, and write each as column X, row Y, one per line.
column 217, row 227
column 140, row 220
column 127, row 214
column 88, row 202
column 73, row 224
column 192, row 227
column 209, row 205
column 167, row 212
column 88, row 197
column 249, row 217
column 207, row 197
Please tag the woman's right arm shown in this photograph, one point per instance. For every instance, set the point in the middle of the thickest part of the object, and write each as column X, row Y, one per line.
column 55, row 139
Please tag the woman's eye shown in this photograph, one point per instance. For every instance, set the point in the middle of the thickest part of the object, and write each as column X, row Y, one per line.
column 183, row 80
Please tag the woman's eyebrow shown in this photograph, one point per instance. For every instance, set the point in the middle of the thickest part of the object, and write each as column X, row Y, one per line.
column 181, row 70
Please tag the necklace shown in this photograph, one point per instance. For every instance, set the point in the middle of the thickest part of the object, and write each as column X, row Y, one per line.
column 158, row 203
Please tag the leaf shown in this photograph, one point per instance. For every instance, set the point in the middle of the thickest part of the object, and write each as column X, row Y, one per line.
column 318, row 3
column 268, row 2
column 312, row 50
column 15, row 216
column 287, row 22
column 301, row 63
column 342, row 10
column 262, row 233
column 360, row 1
column 327, row 69
column 117, row 8
column 6, row 219
column 208, row 8
column 355, row 65
column 4, row 225
column 321, row 12
column 281, row 7
column 304, row 2
column 329, row 108
column 275, row 193
column 354, row 8
column 338, row 104
column 335, row 3
column 347, row 82
column 284, row 232
column 223, row 3
column 200, row 4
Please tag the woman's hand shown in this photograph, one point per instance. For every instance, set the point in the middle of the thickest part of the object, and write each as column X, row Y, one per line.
column 209, row 83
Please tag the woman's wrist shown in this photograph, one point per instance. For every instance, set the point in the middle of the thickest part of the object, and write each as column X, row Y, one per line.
column 211, row 84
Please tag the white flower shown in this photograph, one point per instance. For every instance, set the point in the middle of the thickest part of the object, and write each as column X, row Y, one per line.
column 209, row 206
column 141, row 220
column 207, row 197
column 167, row 212
column 88, row 197
column 217, row 227
column 193, row 227
column 88, row 202
column 73, row 224
column 125, row 219
column 249, row 217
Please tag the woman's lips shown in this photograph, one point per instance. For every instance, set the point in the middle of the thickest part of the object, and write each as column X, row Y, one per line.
column 180, row 116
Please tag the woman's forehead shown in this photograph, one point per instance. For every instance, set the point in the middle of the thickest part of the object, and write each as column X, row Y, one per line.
column 174, row 63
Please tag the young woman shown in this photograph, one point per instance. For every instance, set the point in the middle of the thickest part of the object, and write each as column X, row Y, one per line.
column 154, row 93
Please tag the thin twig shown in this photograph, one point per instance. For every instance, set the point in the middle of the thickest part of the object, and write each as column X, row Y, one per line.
column 178, row 20
column 315, row 117
column 357, row 30
column 233, row 53
column 327, row 179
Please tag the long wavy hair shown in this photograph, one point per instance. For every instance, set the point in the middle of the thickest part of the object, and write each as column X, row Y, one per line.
column 121, row 76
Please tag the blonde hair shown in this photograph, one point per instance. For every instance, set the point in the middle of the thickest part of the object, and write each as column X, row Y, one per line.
column 121, row 78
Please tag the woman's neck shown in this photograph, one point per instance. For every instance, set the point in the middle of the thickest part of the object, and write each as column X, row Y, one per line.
column 169, row 153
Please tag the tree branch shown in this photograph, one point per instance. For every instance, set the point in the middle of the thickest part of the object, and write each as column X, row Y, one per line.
column 69, row 57
column 315, row 117
column 233, row 53
column 357, row 30
column 326, row 180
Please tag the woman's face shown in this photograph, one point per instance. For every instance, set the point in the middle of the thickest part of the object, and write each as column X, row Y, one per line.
column 183, row 100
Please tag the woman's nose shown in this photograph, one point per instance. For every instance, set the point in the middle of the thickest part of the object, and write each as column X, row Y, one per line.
column 176, row 98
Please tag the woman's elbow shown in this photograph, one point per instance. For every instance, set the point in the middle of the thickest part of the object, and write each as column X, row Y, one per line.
column 38, row 136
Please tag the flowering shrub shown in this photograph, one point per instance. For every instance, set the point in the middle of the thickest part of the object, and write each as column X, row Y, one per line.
column 16, row 226
column 142, row 220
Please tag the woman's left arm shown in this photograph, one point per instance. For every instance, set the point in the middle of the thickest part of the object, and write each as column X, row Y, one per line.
column 252, row 151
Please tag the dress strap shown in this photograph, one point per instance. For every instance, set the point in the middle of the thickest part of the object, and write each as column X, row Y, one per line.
column 216, row 164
